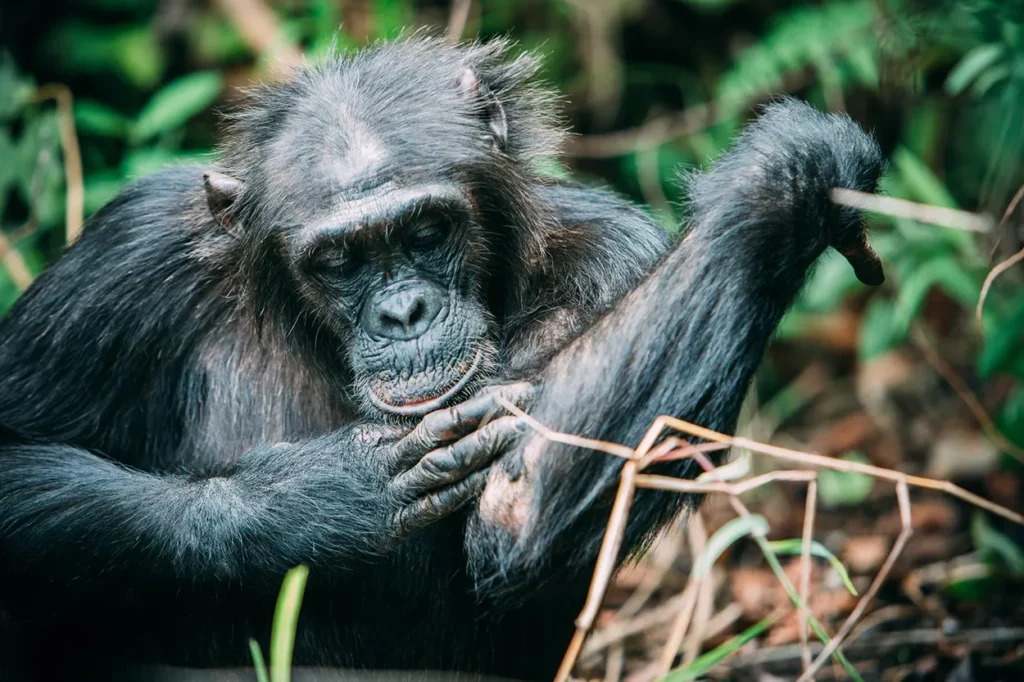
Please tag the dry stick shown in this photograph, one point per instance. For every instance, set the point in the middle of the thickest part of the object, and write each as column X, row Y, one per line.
column 810, row 507
column 261, row 31
column 769, row 555
column 993, row 273
column 901, row 208
column 820, row 461
column 646, row 136
column 630, row 479
column 663, row 558
column 617, row 631
column 1008, row 263
column 903, row 499
column 679, row 627
column 694, row 588
column 568, row 439
column 14, row 263
column 605, row 568
column 705, row 597
column 457, row 20
column 75, row 198
column 1006, row 216
column 966, row 395
column 615, row 664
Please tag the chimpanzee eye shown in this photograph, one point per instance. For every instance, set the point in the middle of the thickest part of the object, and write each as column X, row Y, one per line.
column 337, row 260
column 426, row 233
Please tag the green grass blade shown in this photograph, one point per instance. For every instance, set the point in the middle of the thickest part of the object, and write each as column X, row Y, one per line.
column 258, row 662
column 795, row 547
column 286, row 617
column 704, row 663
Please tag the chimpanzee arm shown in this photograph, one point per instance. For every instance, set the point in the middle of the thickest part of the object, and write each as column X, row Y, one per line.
column 686, row 342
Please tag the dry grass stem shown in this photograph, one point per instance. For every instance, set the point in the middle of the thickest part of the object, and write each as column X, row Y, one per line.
column 901, row 208
column 903, row 499
column 14, row 263
column 457, row 20
column 604, row 569
column 966, row 395
column 805, row 569
column 705, row 597
column 75, row 195
column 262, row 32
column 679, row 627
column 989, row 279
column 630, row 479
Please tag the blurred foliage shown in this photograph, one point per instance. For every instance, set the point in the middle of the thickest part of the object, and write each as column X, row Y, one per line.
column 940, row 81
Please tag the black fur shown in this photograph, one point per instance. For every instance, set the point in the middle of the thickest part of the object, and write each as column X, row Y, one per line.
column 183, row 410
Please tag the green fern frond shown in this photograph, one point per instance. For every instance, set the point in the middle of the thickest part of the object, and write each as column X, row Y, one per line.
column 835, row 39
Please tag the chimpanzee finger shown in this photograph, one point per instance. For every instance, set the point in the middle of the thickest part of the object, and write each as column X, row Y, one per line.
column 448, row 465
column 438, row 505
column 444, row 426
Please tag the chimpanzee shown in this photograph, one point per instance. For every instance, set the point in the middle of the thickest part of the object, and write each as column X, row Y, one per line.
column 297, row 356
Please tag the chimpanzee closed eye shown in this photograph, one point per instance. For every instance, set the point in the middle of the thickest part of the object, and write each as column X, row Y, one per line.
column 301, row 356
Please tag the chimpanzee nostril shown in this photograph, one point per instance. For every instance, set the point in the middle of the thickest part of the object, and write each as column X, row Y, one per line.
column 403, row 311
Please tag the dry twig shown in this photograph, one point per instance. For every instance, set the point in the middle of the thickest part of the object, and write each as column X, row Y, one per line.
column 630, row 479
column 262, row 32
column 901, row 208
column 457, row 20
column 75, row 198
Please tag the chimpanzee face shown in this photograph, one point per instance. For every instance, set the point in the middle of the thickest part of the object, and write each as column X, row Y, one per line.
column 369, row 181
column 389, row 271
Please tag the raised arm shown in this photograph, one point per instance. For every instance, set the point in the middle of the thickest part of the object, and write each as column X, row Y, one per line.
column 686, row 342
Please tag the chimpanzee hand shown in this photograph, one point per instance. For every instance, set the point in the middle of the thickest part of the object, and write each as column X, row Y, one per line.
column 459, row 443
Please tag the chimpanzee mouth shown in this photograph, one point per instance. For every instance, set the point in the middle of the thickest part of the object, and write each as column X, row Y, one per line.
column 422, row 406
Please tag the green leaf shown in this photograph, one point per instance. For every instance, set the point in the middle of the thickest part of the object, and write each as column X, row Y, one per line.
column 704, row 663
column 286, row 618
column 257, row 661
column 919, row 180
column 140, row 57
column 93, row 118
column 796, row 547
column 972, row 65
column 176, row 103
column 845, row 488
column 944, row 271
column 991, row 542
column 990, row 79
column 724, row 538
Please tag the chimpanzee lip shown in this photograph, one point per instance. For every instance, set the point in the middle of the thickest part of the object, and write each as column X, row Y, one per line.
column 421, row 407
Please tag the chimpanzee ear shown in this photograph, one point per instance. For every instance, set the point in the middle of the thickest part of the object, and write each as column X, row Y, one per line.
column 221, row 193
column 491, row 107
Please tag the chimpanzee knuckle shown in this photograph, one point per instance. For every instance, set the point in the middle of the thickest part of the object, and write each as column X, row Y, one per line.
column 437, row 465
column 519, row 394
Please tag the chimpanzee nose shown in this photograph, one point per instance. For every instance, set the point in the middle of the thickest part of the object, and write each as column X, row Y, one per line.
column 404, row 310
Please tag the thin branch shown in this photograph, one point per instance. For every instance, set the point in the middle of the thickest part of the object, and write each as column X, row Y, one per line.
column 14, row 263
column 966, row 395
column 903, row 499
column 993, row 273
column 262, row 32
column 901, row 208
column 705, row 595
column 457, row 20
column 604, row 569
column 647, row 136
column 810, row 508
column 75, row 193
